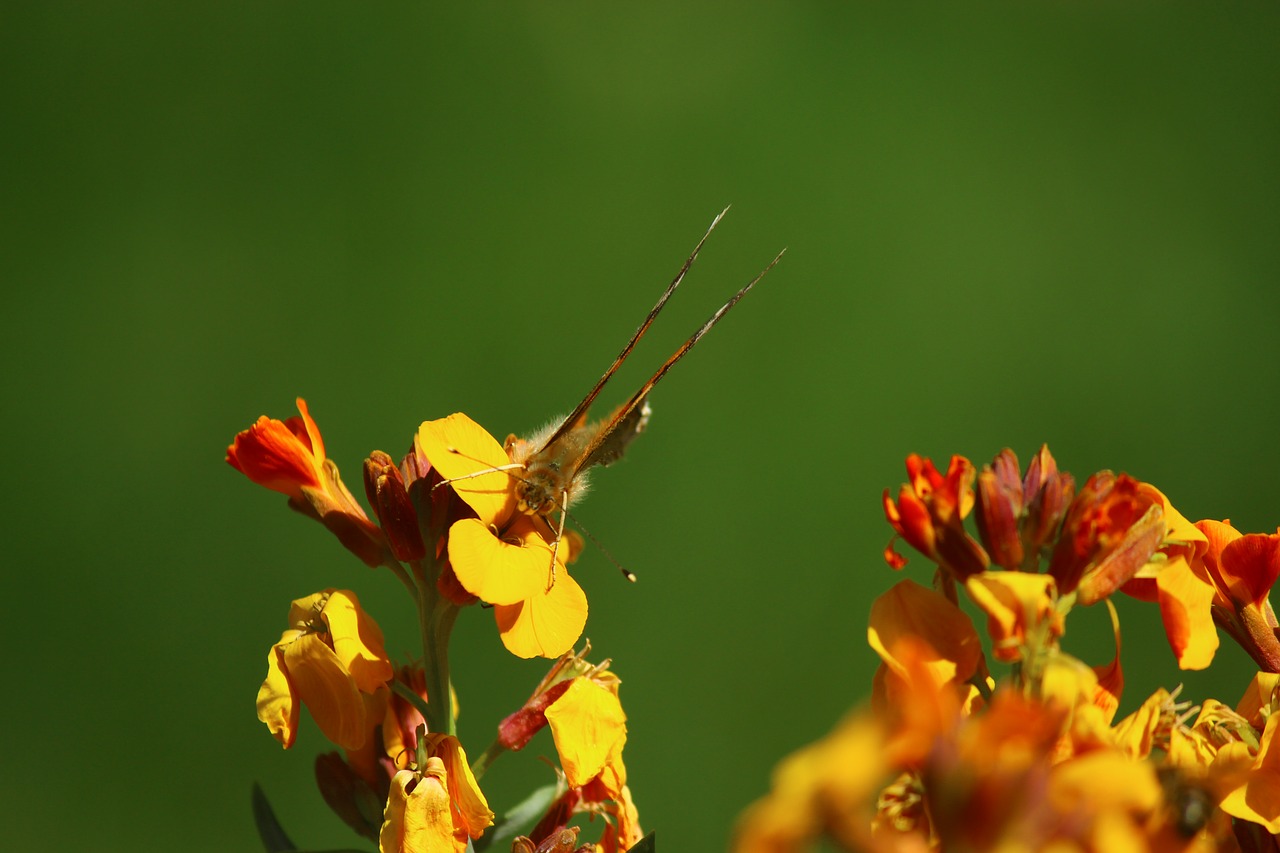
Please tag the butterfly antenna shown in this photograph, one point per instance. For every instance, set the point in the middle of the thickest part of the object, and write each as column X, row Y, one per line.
column 582, row 407
column 490, row 470
column 603, row 550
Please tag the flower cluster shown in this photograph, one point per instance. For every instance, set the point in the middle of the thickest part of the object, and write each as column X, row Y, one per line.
column 948, row 757
column 446, row 523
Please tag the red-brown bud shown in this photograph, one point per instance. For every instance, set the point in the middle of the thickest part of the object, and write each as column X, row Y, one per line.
column 384, row 485
column 1000, row 510
column 519, row 728
column 1046, row 496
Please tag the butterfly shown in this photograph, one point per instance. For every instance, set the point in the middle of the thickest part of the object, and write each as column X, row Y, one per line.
column 551, row 469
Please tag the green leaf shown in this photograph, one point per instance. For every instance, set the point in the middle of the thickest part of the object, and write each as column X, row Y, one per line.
column 520, row 817
column 274, row 838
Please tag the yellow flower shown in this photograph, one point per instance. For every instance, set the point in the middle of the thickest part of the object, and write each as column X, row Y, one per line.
column 418, row 818
column 435, row 809
column 590, row 729
column 332, row 660
column 503, row 556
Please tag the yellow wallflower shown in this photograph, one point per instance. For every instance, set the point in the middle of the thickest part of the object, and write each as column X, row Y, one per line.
column 332, row 660
column 503, row 556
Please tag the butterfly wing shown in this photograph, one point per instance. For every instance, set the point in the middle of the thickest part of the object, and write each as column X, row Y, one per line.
column 577, row 417
column 629, row 419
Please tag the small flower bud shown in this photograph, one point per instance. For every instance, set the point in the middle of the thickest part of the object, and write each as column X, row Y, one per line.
column 385, row 488
column 1000, row 510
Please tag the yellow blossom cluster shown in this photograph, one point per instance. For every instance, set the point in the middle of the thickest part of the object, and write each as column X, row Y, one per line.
column 446, row 524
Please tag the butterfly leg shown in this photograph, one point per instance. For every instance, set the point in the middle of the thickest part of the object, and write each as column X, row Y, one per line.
column 555, row 547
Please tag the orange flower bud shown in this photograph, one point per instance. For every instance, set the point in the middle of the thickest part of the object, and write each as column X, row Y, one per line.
column 929, row 515
column 288, row 457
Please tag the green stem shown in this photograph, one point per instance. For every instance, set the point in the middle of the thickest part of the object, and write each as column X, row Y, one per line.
column 435, row 646
column 399, row 571
column 436, row 616
column 491, row 753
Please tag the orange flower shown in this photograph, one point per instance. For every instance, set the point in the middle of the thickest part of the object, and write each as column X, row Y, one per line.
column 929, row 514
column 1244, row 567
column 332, row 661
column 1257, row 798
column 288, row 457
column 1111, row 530
column 503, row 556
column 944, row 643
column 1178, row 581
column 589, row 728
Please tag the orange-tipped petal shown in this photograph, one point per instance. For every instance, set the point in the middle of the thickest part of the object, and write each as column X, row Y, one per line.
column 1185, row 596
column 283, row 455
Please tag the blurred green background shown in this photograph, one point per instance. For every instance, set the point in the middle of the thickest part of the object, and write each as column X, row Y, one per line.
column 1007, row 225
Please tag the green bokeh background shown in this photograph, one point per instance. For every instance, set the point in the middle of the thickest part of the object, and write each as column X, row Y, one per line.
column 1008, row 224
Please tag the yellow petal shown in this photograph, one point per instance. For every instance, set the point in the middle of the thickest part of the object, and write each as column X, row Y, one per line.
column 588, row 725
column 500, row 571
column 276, row 705
column 417, row 817
column 458, row 447
column 909, row 609
column 1185, row 596
column 468, row 800
column 1136, row 733
column 546, row 624
column 357, row 641
column 1258, row 800
column 1259, row 699
column 1015, row 603
column 328, row 691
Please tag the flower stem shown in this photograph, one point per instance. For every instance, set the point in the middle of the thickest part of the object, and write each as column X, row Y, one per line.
column 436, row 617
column 491, row 753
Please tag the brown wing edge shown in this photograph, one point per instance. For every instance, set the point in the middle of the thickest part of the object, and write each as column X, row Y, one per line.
column 575, row 417
column 599, row 443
